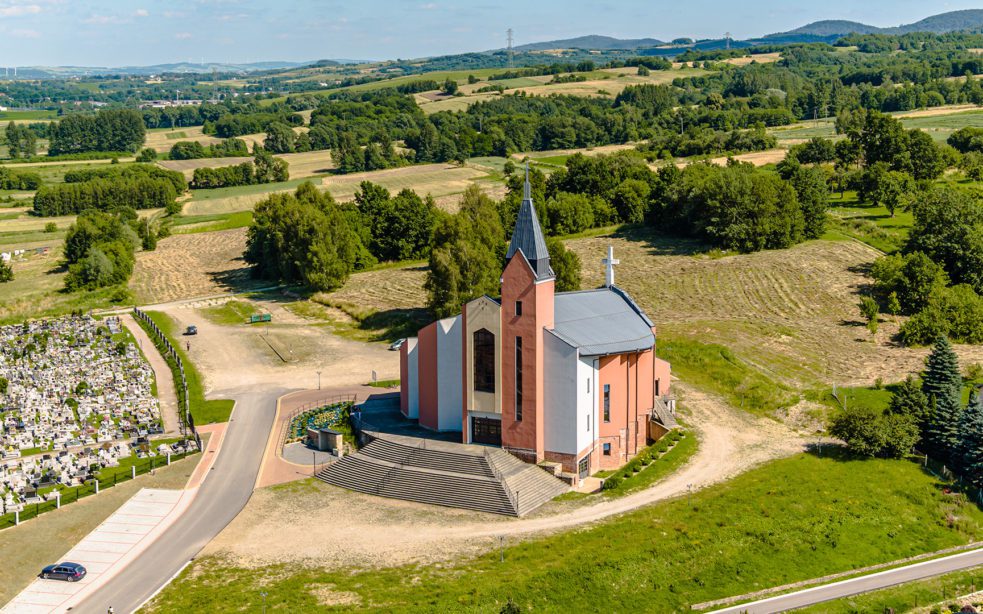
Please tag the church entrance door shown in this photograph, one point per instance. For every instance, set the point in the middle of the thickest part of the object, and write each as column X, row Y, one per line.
column 486, row 431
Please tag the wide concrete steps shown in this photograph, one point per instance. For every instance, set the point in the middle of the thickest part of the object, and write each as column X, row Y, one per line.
column 439, row 460
column 481, row 479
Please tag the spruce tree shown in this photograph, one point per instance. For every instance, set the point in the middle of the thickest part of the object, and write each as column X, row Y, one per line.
column 942, row 385
column 971, row 441
column 909, row 400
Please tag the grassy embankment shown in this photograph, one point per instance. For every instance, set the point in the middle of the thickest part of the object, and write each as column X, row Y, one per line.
column 791, row 520
column 204, row 411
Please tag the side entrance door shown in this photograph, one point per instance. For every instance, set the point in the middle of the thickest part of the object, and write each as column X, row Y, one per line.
column 486, row 431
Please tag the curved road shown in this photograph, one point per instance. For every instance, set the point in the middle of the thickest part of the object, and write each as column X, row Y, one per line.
column 863, row 584
column 221, row 497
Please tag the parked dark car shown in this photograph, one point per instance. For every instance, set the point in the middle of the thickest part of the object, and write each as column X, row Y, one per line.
column 191, row 330
column 73, row 572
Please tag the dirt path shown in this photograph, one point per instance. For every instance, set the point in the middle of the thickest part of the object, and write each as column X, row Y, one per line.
column 314, row 524
column 166, row 394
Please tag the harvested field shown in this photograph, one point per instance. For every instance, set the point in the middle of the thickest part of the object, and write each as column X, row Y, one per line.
column 382, row 289
column 757, row 158
column 187, row 167
column 943, row 110
column 309, row 163
column 588, row 151
column 761, row 58
column 437, row 180
column 163, row 140
column 790, row 313
column 185, row 266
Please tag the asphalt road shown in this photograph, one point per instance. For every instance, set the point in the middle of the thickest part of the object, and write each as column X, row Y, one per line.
column 863, row 584
column 222, row 496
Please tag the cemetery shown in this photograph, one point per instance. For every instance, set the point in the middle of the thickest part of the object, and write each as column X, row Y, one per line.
column 76, row 398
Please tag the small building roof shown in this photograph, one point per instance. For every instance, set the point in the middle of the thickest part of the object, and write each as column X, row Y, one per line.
column 600, row 322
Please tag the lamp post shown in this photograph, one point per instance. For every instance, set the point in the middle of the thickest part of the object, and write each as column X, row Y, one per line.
column 263, row 594
column 318, row 380
column 689, row 495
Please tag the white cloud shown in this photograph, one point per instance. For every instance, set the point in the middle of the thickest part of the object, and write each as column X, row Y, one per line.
column 103, row 20
column 16, row 10
column 183, row 35
column 141, row 13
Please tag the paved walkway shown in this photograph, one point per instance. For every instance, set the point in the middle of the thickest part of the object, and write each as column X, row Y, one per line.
column 166, row 393
column 276, row 469
column 106, row 550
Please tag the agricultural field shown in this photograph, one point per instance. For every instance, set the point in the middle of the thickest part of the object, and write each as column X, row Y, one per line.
column 187, row 167
column 162, row 139
column 443, row 181
column 189, row 265
column 600, row 83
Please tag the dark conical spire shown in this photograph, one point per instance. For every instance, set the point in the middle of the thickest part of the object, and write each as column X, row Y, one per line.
column 527, row 235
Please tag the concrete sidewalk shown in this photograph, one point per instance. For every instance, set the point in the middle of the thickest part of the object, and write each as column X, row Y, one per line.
column 106, row 550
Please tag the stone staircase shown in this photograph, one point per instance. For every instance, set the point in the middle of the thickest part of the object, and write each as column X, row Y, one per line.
column 441, row 473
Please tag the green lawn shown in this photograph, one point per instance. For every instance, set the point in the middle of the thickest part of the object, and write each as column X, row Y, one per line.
column 247, row 190
column 27, row 115
column 204, row 411
column 872, row 224
column 191, row 224
column 791, row 520
column 231, row 312
column 714, row 368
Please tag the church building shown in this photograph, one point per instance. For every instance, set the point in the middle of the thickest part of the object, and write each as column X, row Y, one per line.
column 569, row 377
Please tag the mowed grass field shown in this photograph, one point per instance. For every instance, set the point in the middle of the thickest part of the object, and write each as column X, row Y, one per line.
column 599, row 83
column 791, row 520
column 443, row 181
column 189, row 265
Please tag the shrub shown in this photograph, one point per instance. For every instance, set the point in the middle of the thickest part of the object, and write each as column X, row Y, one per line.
column 51, row 227
column 612, row 482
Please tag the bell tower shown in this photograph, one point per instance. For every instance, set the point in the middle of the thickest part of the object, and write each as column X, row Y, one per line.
column 527, row 310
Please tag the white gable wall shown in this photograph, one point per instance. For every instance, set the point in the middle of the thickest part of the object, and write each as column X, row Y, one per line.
column 560, row 420
column 412, row 378
column 450, row 377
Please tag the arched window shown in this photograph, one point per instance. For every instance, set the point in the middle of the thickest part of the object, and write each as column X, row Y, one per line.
column 484, row 361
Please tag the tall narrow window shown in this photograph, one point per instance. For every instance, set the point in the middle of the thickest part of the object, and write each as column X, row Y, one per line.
column 484, row 360
column 607, row 402
column 518, row 379
column 518, row 308
column 657, row 387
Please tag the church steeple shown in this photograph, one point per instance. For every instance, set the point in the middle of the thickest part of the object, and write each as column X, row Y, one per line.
column 527, row 236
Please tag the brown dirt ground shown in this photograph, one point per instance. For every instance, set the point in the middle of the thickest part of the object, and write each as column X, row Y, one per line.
column 311, row 523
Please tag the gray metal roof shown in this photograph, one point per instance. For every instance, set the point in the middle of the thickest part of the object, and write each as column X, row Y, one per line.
column 528, row 236
column 602, row 321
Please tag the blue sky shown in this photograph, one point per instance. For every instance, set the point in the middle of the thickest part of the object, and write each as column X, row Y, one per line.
column 135, row 32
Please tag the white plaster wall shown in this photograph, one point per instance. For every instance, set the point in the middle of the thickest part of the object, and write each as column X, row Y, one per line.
column 413, row 378
column 450, row 377
column 586, row 402
column 560, row 390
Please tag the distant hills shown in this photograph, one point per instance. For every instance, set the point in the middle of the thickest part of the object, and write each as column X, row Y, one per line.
column 592, row 41
column 818, row 31
column 969, row 19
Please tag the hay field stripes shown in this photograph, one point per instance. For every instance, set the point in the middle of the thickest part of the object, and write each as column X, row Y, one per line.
column 443, row 181
column 187, row 167
column 189, row 265
column 791, row 313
